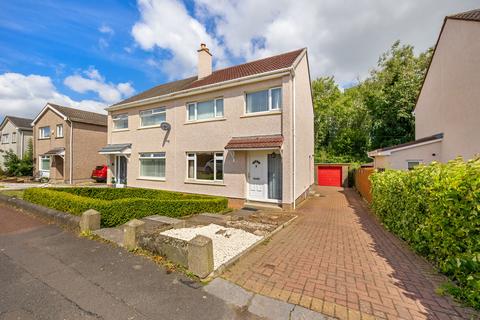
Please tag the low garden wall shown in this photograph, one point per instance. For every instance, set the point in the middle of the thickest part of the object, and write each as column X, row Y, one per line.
column 436, row 209
column 118, row 206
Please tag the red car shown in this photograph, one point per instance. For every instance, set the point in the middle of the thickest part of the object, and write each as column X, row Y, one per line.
column 99, row 174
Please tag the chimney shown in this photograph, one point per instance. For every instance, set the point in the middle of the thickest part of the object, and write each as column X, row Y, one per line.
column 204, row 61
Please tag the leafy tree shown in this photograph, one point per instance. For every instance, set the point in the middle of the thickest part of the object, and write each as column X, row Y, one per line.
column 390, row 94
column 19, row 167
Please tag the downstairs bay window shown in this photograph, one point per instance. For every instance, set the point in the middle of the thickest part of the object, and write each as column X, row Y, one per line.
column 152, row 165
column 206, row 166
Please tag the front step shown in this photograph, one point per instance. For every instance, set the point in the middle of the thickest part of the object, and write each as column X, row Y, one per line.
column 256, row 205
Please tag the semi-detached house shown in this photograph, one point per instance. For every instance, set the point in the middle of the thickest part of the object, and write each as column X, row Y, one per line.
column 244, row 132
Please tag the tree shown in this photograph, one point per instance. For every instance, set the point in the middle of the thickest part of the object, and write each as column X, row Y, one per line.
column 390, row 94
column 19, row 167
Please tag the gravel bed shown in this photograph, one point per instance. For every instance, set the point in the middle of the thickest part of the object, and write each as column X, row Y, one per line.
column 227, row 242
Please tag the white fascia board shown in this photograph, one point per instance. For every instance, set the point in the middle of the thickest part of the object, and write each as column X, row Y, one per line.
column 204, row 89
column 389, row 152
column 47, row 107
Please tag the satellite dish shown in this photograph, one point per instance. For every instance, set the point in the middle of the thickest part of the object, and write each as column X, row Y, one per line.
column 165, row 126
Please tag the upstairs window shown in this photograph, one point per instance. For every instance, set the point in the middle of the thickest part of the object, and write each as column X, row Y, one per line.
column 152, row 165
column 152, row 117
column 5, row 138
column 120, row 121
column 14, row 137
column 204, row 110
column 44, row 132
column 59, row 133
column 265, row 100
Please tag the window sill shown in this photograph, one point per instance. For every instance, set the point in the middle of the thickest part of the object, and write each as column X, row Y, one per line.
column 120, row 130
column 44, row 138
column 149, row 127
column 58, row 137
column 151, row 179
column 205, row 120
column 261, row 114
column 205, row 182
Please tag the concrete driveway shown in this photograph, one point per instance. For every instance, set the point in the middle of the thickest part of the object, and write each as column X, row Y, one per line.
column 336, row 258
column 48, row 273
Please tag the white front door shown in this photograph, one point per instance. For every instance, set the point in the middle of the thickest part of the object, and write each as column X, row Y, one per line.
column 257, row 176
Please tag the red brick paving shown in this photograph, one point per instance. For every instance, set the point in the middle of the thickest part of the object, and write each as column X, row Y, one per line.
column 337, row 259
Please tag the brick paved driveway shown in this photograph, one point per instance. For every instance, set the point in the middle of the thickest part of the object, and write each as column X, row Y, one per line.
column 338, row 260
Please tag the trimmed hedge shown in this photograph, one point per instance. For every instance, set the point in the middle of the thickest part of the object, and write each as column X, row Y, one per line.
column 118, row 206
column 436, row 209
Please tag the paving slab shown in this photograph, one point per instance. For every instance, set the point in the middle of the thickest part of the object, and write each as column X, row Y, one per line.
column 163, row 219
column 301, row 313
column 229, row 292
column 269, row 308
column 114, row 235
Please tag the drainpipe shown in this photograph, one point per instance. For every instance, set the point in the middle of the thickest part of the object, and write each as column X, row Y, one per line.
column 71, row 151
column 293, row 134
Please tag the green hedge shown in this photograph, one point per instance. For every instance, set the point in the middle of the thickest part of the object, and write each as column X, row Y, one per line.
column 436, row 209
column 118, row 206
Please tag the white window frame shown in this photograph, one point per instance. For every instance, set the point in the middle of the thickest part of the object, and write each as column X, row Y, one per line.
column 217, row 155
column 152, row 155
column 419, row 162
column 5, row 138
column 14, row 137
column 59, row 131
column 216, row 114
column 41, row 133
column 40, row 158
column 120, row 116
column 152, row 112
column 270, row 108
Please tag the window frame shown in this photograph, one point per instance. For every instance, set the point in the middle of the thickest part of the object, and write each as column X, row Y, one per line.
column 41, row 158
column 217, row 155
column 5, row 138
column 57, row 135
column 418, row 162
column 269, row 101
column 162, row 110
column 116, row 117
column 162, row 155
column 41, row 136
column 14, row 137
column 215, row 112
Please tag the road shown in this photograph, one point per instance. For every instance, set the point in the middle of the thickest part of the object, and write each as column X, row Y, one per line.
column 49, row 273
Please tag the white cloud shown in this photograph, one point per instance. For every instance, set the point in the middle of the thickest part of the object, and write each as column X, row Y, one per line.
column 106, row 29
column 94, row 82
column 26, row 95
column 166, row 24
column 344, row 38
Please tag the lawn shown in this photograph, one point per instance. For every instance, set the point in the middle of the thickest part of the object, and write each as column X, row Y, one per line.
column 12, row 193
column 118, row 206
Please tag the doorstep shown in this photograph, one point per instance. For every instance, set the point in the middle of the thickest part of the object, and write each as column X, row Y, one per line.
column 258, row 205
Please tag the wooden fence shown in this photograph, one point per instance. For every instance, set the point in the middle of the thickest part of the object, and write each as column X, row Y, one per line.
column 363, row 184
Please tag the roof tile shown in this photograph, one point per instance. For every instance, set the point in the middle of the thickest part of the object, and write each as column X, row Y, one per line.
column 255, row 142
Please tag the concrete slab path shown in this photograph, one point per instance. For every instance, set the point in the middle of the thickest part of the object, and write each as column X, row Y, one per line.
column 337, row 259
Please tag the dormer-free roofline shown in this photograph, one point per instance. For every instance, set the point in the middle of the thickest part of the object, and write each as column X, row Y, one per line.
column 214, row 86
column 48, row 107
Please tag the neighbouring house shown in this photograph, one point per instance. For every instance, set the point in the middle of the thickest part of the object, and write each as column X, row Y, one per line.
column 66, row 143
column 15, row 134
column 244, row 132
column 447, row 113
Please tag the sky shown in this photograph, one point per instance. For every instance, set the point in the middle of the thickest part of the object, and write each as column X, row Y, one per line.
column 91, row 54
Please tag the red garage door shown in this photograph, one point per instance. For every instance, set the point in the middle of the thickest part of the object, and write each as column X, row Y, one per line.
column 329, row 176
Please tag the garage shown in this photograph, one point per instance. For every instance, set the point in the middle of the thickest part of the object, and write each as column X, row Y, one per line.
column 329, row 175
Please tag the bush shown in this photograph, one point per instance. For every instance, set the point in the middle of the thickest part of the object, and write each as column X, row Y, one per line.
column 16, row 166
column 118, row 206
column 436, row 209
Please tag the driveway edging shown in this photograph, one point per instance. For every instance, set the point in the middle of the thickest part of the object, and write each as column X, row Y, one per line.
column 63, row 219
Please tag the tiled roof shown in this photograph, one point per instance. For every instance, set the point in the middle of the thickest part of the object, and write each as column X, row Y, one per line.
column 255, row 142
column 22, row 123
column 77, row 115
column 473, row 15
column 412, row 143
column 273, row 63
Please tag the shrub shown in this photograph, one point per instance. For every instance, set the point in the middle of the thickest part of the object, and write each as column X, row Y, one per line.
column 16, row 166
column 436, row 209
column 118, row 206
